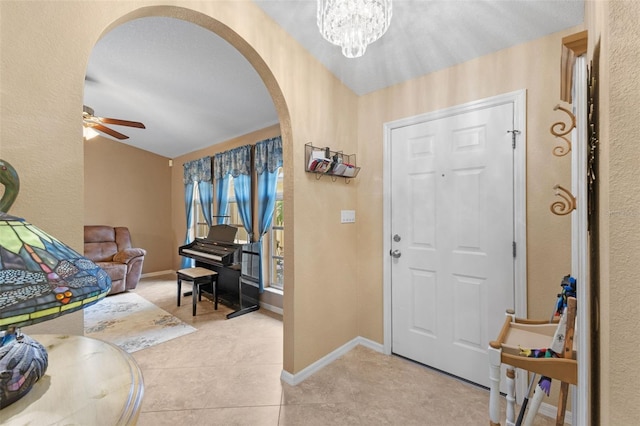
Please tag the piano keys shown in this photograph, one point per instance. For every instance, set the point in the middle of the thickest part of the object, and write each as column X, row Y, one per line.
column 212, row 251
column 219, row 253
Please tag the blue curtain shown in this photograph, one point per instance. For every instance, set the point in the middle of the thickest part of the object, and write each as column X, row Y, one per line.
column 268, row 159
column 234, row 162
column 187, row 262
column 237, row 163
column 196, row 172
column 242, row 189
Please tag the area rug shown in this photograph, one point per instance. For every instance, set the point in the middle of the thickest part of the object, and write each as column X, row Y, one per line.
column 132, row 322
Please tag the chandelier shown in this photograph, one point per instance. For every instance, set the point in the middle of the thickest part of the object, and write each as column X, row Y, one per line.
column 353, row 24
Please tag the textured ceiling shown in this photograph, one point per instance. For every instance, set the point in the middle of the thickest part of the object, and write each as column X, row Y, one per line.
column 188, row 86
column 192, row 89
column 427, row 35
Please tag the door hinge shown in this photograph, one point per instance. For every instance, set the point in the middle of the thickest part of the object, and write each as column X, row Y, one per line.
column 514, row 133
column 514, row 249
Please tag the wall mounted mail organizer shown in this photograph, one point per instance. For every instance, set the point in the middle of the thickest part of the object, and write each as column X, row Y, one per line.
column 324, row 161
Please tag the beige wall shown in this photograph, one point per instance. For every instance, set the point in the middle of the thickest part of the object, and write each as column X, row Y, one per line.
column 126, row 186
column 613, row 26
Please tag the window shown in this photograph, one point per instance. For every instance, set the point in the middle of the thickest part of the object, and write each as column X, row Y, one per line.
column 276, row 239
column 272, row 245
column 201, row 229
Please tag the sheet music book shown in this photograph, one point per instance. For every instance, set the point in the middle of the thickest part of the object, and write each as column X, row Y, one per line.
column 224, row 233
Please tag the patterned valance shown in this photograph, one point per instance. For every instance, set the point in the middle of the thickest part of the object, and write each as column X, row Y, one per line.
column 197, row 170
column 235, row 162
column 268, row 155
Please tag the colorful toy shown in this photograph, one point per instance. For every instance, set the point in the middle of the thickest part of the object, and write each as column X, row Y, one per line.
column 568, row 285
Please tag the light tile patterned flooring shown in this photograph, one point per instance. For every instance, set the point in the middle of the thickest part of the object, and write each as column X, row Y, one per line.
column 228, row 373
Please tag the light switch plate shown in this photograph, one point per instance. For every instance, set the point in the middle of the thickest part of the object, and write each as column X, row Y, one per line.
column 347, row 216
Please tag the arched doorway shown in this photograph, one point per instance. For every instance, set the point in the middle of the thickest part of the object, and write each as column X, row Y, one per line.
column 238, row 43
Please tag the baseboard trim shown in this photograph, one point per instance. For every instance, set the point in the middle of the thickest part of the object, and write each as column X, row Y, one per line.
column 295, row 379
column 155, row 274
column 271, row 308
column 549, row 410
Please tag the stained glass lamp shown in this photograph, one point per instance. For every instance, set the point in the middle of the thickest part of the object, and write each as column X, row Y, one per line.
column 41, row 278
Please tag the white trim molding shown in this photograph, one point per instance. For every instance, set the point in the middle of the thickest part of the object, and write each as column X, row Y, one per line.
column 581, row 400
column 157, row 273
column 302, row 375
column 551, row 411
column 272, row 308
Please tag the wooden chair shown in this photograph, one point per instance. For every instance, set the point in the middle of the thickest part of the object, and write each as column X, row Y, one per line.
column 203, row 279
column 517, row 333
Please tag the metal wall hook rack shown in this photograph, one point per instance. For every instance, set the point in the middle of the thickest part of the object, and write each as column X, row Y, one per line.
column 325, row 162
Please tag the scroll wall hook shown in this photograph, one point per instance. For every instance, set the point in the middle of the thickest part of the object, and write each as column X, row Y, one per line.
column 566, row 205
column 558, row 130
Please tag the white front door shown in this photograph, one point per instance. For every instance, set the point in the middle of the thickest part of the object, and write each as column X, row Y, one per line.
column 452, row 225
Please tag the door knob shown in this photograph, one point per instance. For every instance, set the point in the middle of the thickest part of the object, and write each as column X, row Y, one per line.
column 395, row 253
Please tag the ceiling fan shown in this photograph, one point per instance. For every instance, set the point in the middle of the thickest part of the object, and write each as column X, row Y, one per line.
column 97, row 123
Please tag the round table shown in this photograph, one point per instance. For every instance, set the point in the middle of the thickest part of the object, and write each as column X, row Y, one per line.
column 87, row 382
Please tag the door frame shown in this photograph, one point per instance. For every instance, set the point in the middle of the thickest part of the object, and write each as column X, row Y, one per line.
column 518, row 98
column 581, row 399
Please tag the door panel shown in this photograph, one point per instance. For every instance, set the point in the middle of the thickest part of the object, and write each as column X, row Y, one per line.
column 452, row 206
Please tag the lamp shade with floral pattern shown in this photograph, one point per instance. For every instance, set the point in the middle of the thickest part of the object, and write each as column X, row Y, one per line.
column 41, row 278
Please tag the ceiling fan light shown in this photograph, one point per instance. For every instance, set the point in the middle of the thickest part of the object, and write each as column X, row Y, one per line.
column 93, row 124
column 353, row 24
column 89, row 133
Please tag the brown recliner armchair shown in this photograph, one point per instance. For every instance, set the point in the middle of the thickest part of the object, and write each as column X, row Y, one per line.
column 110, row 248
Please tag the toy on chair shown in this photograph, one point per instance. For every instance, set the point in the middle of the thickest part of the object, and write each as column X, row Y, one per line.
column 562, row 338
column 568, row 285
column 553, row 358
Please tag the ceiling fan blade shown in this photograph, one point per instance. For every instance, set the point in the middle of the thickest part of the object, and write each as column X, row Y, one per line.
column 122, row 122
column 109, row 131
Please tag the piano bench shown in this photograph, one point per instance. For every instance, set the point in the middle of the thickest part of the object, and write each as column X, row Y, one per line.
column 200, row 277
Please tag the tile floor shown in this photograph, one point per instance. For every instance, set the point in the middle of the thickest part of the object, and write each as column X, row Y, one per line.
column 228, row 373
